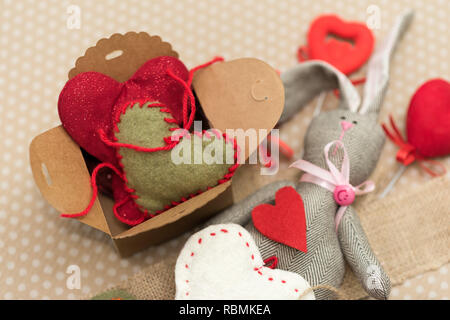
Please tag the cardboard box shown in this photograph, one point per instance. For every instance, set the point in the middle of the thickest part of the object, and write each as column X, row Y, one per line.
column 239, row 94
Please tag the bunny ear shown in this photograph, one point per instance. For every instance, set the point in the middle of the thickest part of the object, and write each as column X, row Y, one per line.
column 378, row 67
column 307, row 79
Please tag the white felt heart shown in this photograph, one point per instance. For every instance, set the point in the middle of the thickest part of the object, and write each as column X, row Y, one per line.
column 223, row 262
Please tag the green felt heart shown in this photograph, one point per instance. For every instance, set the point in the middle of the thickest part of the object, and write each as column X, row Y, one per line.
column 114, row 294
column 158, row 178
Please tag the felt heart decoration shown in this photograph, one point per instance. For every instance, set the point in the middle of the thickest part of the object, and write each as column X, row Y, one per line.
column 88, row 101
column 428, row 119
column 160, row 172
column 207, row 269
column 284, row 222
column 345, row 56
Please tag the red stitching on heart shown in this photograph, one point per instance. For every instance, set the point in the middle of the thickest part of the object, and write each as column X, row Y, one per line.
column 117, row 119
column 258, row 270
column 169, row 145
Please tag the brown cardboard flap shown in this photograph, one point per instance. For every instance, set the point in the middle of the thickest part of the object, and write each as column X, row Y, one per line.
column 134, row 49
column 62, row 177
column 243, row 94
column 177, row 212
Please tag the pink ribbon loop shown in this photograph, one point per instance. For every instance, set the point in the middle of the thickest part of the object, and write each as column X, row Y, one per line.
column 337, row 181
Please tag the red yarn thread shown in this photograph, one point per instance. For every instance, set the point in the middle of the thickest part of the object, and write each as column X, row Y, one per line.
column 408, row 153
column 94, row 189
column 110, row 143
column 188, row 94
column 120, row 111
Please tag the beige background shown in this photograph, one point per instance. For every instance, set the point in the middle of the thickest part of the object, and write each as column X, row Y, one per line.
column 37, row 50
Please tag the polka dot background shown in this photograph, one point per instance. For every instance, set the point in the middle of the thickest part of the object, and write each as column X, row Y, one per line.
column 38, row 49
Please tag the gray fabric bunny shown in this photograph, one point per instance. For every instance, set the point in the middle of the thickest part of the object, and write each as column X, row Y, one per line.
column 324, row 261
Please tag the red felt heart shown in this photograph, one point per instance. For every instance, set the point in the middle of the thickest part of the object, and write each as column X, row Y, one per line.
column 346, row 57
column 88, row 101
column 285, row 222
column 428, row 119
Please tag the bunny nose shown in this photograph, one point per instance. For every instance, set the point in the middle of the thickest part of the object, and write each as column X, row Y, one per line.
column 346, row 125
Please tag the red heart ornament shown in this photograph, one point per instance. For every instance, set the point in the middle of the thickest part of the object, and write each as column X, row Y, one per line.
column 285, row 222
column 346, row 57
column 428, row 119
column 88, row 101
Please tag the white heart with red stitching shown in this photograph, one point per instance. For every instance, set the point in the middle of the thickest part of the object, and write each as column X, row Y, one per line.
column 223, row 262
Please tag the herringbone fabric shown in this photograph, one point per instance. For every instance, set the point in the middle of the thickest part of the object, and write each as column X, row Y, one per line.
column 323, row 264
column 360, row 256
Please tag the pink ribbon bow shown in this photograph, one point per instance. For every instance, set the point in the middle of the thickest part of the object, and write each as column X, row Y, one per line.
column 334, row 180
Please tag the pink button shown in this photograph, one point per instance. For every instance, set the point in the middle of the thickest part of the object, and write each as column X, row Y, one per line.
column 344, row 195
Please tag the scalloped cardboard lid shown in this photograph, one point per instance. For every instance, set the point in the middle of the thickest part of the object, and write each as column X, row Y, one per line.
column 244, row 93
column 121, row 55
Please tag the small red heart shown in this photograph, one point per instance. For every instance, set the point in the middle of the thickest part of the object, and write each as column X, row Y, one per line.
column 88, row 101
column 428, row 119
column 346, row 57
column 285, row 222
